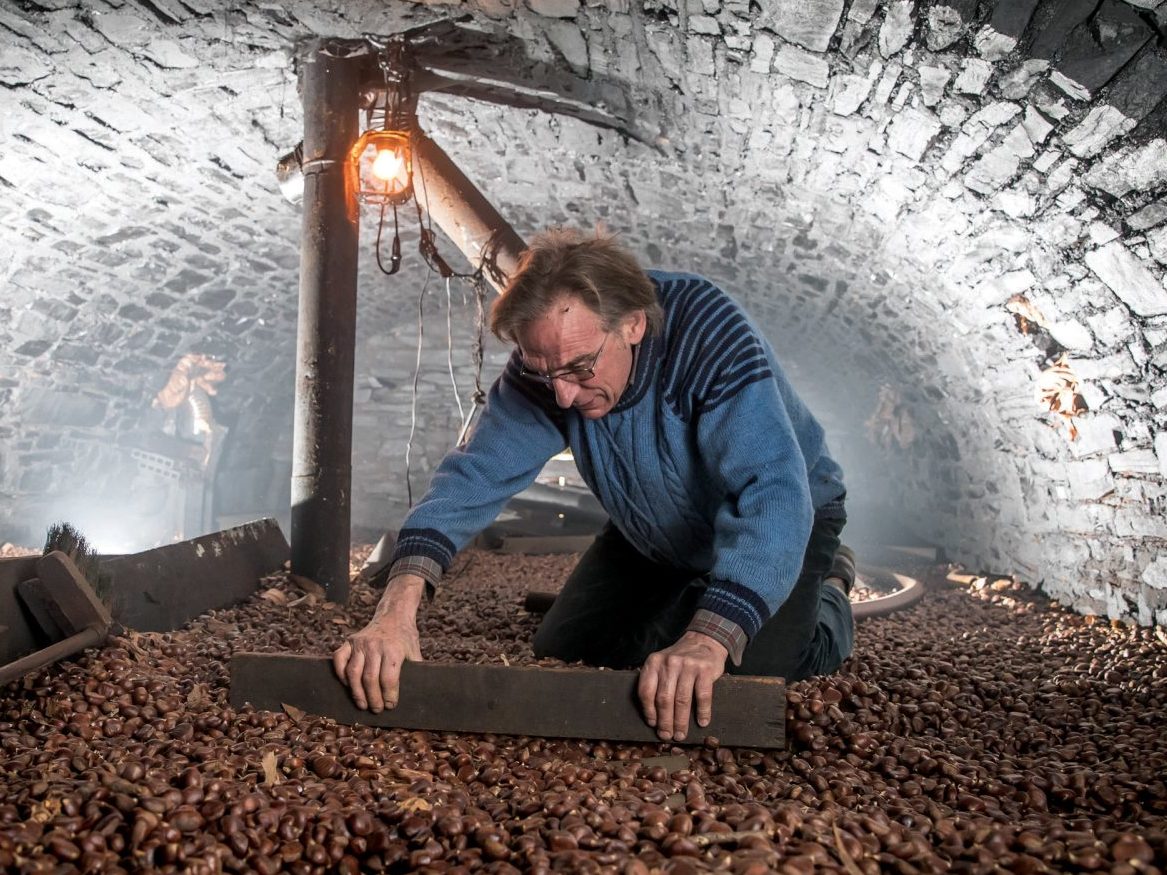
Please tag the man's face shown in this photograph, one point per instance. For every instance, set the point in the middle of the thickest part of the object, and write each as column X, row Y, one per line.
column 589, row 367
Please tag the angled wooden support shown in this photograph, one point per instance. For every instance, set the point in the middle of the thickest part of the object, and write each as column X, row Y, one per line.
column 510, row 700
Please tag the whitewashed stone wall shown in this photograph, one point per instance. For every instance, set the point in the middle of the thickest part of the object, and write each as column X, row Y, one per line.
column 883, row 184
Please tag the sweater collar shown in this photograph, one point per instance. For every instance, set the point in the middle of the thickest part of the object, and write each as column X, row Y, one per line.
column 643, row 364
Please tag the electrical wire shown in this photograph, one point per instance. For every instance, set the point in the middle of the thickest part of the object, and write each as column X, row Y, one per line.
column 450, row 350
column 413, row 396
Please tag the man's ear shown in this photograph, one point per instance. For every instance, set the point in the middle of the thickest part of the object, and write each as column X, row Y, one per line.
column 637, row 324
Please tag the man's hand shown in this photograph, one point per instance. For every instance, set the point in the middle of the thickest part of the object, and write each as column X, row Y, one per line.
column 370, row 660
column 672, row 678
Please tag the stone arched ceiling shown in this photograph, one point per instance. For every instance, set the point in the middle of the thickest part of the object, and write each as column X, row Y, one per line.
column 950, row 217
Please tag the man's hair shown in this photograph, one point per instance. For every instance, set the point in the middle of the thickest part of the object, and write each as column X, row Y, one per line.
column 595, row 269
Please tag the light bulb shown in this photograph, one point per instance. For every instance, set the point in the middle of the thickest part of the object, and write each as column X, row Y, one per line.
column 387, row 164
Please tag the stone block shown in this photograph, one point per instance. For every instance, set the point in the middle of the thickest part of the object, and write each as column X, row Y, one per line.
column 933, row 81
column 124, row 29
column 802, row 65
column 897, row 27
column 554, row 8
column 1061, row 177
column 1129, row 279
column 169, row 55
column 1011, row 17
column 1161, row 451
column 974, row 76
column 992, row 170
column 849, row 91
column 1054, row 22
column 704, row 24
column 912, row 132
column 1111, row 326
column 1089, row 479
column 1098, row 49
column 947, row 21
column 1095, row 435
column 700, row 56
column 1141, row 86
column 20, row 65
column 887, row 83
column 762, row 55
column 1071, row 334
column 996, row 291
column 1132, row 168
column 62, row 408
column 809, row 23
column 1037, row 127
column 992, row 45
column 1149, row 216
column 1157, row 244
column 1136, row 522
column 568, row 40
column 35, row 33
column 862, row 10
column 1015, row 202
column 1134, row 462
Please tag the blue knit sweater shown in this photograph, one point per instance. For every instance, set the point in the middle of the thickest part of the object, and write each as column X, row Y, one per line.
column 709, row 461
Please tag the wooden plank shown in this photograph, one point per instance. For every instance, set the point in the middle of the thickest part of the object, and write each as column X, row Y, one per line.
column 22, row 635
column 165, row 588
column 74, row 604
column 510, row 700
column 44, row 613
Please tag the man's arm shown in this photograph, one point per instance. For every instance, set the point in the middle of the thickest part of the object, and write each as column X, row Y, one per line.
column 513, row 439
column 370, row 660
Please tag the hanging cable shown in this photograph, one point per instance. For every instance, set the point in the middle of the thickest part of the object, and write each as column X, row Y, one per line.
column 450, row 350
column 395, row 255
column 413, row 396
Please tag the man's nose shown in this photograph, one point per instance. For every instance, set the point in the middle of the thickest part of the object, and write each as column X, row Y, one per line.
column 565, row 392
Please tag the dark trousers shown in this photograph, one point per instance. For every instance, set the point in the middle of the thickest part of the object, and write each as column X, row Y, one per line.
column 618, row 607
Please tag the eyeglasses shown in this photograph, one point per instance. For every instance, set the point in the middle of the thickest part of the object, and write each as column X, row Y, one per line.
column 580, row 373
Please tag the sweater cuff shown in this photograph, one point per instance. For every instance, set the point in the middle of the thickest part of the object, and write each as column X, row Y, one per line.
column 725, row 632
column 737, row 604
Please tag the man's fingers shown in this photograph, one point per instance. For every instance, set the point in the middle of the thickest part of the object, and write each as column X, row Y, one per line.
column 371, row 681
column 649, row 678
column 352, row 675
column 390, row 682
column 666, row 692
column 340, row 660
column 704, row 689
column 683, row 703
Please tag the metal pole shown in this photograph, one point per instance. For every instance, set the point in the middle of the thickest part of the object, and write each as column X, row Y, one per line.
column 326, row 330
column 462, row 211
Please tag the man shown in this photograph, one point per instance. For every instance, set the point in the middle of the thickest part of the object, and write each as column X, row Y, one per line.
column 725, row 505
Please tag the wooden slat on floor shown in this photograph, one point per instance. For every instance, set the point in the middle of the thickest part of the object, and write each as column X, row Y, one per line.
column 167, row 587
column 509, row 700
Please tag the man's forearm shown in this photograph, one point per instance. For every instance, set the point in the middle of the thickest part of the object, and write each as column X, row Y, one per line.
column 401, row 598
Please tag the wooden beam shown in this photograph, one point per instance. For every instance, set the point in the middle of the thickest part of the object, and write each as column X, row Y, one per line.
column 510, row 700
column 167, row 587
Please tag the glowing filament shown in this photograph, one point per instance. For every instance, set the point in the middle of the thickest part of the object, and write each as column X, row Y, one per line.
column 387, row 164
